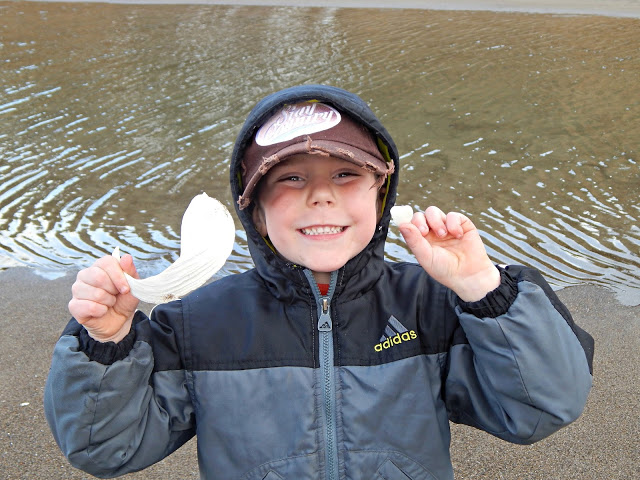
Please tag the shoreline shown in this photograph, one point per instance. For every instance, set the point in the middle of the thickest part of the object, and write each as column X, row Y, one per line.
column 612, row 8
column 602, row 444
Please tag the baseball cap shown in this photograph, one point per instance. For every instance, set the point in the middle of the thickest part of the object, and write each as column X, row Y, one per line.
column 308, row 127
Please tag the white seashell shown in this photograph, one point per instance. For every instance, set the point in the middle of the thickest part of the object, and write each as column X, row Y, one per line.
column 207, row 234
column 401, row 214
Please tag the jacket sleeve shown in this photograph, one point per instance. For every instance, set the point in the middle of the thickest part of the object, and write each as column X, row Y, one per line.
column 118, row 408
column 524, row 368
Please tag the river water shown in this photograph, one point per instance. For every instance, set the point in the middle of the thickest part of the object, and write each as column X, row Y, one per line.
column 112, row 117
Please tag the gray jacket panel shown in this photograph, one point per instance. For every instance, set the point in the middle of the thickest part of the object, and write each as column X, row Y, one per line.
column 114, row 419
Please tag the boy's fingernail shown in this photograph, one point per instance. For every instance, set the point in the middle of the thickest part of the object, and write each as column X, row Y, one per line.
column 442, row 232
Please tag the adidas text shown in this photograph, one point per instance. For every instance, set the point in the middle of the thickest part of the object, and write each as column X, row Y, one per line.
column 395, row 340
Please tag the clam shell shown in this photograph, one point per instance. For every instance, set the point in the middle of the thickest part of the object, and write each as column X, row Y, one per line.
column 207, row 235
column 401, row 214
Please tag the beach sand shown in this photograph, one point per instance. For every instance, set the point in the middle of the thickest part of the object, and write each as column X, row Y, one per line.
column 602, row 444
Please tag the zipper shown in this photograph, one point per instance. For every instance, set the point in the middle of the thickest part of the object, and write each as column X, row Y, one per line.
column 327, row 373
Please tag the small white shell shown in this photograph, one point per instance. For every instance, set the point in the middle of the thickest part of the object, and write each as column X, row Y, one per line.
column 207, row 235
column 401, row 214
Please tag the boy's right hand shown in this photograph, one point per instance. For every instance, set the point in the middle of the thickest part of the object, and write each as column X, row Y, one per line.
column 102, row 301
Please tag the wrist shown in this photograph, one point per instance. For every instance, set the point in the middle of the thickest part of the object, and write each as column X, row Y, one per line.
column 106, row 353
column 496, row 302
column 477, row 287
column 114, row 337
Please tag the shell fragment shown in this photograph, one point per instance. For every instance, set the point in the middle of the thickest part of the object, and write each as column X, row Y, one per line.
column 401, row 214
column 207, row 235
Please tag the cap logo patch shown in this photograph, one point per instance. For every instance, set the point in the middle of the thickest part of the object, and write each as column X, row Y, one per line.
column 294, row 120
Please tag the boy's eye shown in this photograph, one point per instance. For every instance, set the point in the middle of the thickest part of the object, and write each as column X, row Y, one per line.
column 346, row 174
column 290, row 178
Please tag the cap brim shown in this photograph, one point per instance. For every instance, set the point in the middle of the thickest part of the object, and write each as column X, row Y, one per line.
column 315, row 147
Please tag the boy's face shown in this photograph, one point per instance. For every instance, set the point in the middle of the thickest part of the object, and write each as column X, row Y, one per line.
column 318, row 211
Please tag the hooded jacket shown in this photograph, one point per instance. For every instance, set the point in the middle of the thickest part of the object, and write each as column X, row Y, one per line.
column 280, row 382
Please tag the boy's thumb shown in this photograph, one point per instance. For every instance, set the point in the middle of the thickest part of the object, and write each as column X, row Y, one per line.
column 418, row 245
column 410, row 233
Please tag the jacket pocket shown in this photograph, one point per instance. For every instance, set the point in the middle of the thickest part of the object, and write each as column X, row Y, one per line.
column 272, row 476
column 390, row 471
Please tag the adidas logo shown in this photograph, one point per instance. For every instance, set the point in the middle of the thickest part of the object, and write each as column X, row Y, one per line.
column 394, row 334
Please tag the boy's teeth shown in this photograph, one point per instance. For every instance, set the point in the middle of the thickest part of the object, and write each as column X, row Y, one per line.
column 322, row 230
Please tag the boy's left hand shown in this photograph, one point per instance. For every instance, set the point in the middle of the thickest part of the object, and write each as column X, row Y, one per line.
column 449, row 247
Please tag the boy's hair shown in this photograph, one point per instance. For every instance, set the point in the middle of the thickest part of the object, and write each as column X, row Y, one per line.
column 309, row 127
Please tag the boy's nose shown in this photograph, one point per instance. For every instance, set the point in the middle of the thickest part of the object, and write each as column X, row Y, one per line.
column 321, row 193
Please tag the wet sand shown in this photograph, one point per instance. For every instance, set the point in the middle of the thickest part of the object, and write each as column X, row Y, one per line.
column 602, row 444
column 614, row 8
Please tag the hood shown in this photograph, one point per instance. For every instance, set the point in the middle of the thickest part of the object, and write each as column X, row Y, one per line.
column 264, row 257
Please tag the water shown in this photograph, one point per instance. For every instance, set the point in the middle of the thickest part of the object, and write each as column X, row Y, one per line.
column 112, row 117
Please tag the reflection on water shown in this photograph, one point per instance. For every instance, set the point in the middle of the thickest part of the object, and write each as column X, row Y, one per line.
column 112, row 117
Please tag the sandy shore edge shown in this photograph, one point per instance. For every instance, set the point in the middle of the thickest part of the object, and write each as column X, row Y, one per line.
column 602, row 444
column 613, row 8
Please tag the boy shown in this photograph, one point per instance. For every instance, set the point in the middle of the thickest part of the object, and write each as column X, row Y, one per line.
column 324, row 361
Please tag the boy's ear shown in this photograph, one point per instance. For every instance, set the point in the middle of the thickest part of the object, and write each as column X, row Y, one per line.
column 258, row 219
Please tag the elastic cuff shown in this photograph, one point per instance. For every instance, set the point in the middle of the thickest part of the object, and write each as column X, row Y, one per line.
column 497, row 301
column 108, row 353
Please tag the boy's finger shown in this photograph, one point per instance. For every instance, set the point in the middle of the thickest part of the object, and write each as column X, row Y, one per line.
column 85, row 310
column 420, row 222
column 420, row 247
column 87, row 292
column 114, row 271
column 454, row 223
column 436, row 219
column 97, row 277
column 460, row 224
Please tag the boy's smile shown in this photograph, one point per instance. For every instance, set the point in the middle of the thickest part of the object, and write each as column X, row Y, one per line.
column 318, row 211
column 322, row 230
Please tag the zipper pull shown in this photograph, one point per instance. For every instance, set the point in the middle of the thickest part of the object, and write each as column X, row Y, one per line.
column 324, row 322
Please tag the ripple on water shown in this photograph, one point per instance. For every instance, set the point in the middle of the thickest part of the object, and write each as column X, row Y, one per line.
column 112, row 117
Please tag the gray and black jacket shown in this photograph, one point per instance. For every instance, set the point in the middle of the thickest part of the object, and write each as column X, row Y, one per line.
column 280, row 382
